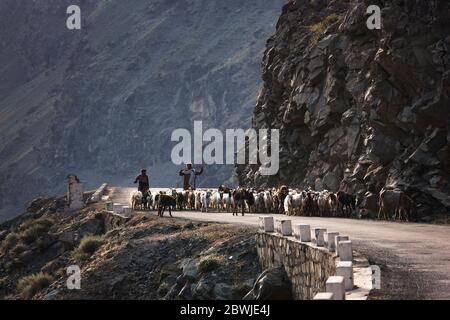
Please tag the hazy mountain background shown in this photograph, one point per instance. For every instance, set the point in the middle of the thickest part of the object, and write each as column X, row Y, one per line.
column 102, row 102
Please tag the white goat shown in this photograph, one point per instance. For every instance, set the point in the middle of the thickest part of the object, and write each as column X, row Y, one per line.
column 198, row 200
column 288, row 209
column 268, row 201
column 136, row 199
column 216, row 202
column 206, row 200
column 259, row 202
column 227, row 201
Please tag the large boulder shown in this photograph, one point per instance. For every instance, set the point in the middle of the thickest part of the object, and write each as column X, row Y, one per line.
column 331, row 181
column 223, row 291
column 186, row 292
column 190, row 269
column 203, row 289
column 272, row 284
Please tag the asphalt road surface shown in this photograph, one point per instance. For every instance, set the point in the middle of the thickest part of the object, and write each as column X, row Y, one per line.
column 414, row 258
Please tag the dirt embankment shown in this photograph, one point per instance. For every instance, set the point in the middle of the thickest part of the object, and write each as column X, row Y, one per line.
column 142, row 258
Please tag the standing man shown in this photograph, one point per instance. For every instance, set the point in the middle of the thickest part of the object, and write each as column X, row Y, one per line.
column 190, row 176
column 144, row 184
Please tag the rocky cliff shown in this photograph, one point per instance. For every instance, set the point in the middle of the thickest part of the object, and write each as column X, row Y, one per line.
column 102, row 102
column 360, row 109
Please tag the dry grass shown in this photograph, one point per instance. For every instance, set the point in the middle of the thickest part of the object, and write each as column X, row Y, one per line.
column 32, row 230
column 10, row 242
column 87, row 247
column 19, row 248
column 31, row 234
column 208, row 264
column 319, row 29
column 30, row 285
column 42, row 221
column 28, row 233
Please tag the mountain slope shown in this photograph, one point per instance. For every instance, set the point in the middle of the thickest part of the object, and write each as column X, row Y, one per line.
column 145, row 257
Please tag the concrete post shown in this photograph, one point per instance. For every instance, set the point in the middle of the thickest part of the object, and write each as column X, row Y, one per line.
column 285, row 227
column 336, row 286
column 320, row 236
column 324, row 296
column 127, row 211
column 337, row 240
column 296, row 231
column 305, row 232
column 74, row 193
column 266, row 224
column 118, row 208
column 345, row 269
column 331, row 241
column 109, row 206
column 345, row 250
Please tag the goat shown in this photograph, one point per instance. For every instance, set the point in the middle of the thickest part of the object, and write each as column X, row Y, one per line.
column 346, row 203
column 395, row 202
column 297, row 203
column 198, row 200
column 259, row 203
column 241, row 197
column 216, row 200
column 136, row 200
column 205, row 198
column 268, row 201
column 166, row 201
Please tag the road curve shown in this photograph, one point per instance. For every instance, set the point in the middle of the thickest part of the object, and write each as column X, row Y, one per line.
column 417, row 256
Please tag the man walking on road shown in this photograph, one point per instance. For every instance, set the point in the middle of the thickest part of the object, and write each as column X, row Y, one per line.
column 144, row 184
column 190, row 176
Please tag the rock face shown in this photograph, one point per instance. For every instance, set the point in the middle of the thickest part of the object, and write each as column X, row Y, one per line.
column 272, row 284
column 360, row 109
column 103, row 101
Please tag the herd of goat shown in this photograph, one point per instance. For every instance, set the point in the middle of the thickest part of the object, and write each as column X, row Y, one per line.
column 392, row 203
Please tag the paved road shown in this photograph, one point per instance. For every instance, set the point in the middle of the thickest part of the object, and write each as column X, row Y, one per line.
column 415, row 257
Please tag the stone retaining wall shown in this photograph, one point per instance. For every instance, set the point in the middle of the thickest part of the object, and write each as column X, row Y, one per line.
column 319, row 267
column 113, row 221
column 307, row 267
